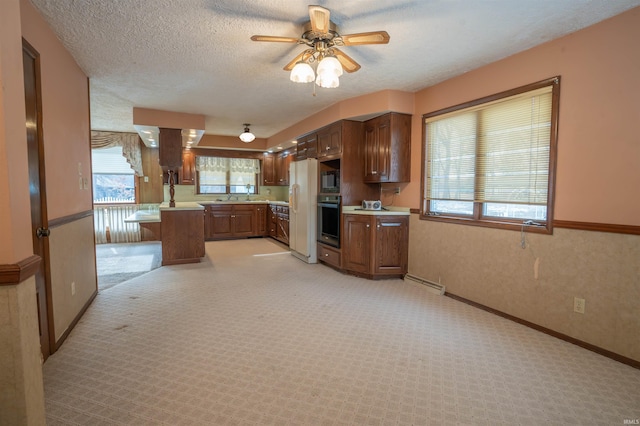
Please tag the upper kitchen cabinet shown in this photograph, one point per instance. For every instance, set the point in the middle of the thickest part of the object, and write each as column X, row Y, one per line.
column 275, row 169
column 307, row 146
column 283, row 159
column 387, row 148
column 170, row 150
column 268, row 170
column 330, row 140
column 188, row 170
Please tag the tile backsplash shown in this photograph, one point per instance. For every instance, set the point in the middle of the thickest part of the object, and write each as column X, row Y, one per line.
column 187, row 193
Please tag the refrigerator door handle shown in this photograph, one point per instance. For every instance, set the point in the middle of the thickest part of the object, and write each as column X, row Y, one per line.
column 295, row 193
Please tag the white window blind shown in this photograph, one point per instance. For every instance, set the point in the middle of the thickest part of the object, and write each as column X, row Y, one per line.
column 496, row 152
column 110, row 161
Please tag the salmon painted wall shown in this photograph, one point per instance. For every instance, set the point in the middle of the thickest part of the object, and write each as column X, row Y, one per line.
column 231, row 142
column 66, row 123
column 598, row 169
column 15, row 219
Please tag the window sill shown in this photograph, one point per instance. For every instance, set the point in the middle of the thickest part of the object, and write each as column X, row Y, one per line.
column 512, row 225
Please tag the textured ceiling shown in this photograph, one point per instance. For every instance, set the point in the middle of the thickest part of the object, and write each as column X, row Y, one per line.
column 195, row 56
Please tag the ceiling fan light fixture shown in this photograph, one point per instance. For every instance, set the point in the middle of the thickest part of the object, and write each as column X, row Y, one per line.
column 329, row 64
column 328, row 80
column 302, row 73
column 247, row 136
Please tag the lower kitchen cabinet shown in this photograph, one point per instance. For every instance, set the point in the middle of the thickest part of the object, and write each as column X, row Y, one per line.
column 282, row 224
column 278, row 223
column 329, row 255
column 375, row 246
column 261, row 219
column 225, row 221
column 182, row 236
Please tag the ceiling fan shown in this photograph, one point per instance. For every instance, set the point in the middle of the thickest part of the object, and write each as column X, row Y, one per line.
column 322, row 37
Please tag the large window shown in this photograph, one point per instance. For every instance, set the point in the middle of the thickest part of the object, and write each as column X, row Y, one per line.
column 219, row 175
column 491, row 162
column 113, row 177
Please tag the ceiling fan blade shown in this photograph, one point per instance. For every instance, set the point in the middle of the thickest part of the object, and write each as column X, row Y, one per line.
column 295, row 60
column 348, row 64
column 319, row 17
column 275, row 39
column 374, row 37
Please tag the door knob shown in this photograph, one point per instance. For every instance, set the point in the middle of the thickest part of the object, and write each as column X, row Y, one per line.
column 42, row 232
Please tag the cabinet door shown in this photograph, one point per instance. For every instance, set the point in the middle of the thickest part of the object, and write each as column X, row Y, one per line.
column 268, row 170
column 284, row 228
column 273, row 222
column 220, row 221
column 282, row 169
column 330, row 140
column 244, row 221
column 261, row 220
column 208, row 231
column 357, row 248
column 377, row 149
column 307, row 147
column 188, row 170
column 391, row 245
column 170, row 148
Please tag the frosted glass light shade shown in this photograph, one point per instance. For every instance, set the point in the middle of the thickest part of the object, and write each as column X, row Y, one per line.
column 328, row 80
column 302, row 73
column 247, row 137
column 330, row 64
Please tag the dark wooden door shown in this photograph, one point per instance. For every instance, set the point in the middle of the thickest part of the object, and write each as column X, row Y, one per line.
column 357, row 251
column 377, row 145
column 261, row 218
column 244, row 221
column 268, row 170
column 31, row 70
column 392, row 234
column 220, row 221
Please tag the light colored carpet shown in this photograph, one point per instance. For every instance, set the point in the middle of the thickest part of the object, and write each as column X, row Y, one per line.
column 254, row 336
column 117, row 263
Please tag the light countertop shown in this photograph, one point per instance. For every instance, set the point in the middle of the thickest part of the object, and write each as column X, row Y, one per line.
column 277, row 203
column 144, row 216
column 390, row 211
column 182, row 205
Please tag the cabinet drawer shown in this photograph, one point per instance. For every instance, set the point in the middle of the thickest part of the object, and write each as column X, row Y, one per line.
column 329, row 255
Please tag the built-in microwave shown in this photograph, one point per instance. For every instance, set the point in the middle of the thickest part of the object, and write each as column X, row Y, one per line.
column 330, row 182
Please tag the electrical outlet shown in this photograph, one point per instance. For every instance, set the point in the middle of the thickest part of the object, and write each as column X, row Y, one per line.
column 73, row 288
column 81, row 186
column 396, row 190
column 578, row 305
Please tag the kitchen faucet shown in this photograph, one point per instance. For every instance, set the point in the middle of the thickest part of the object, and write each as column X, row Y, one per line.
column 248, row 189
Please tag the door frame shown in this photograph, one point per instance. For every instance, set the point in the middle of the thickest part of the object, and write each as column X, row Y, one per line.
column 45, row 258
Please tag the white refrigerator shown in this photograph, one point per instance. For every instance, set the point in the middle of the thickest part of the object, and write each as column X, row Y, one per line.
column 303, row 210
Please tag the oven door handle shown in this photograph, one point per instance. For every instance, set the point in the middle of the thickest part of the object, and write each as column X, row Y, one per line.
column 330, row 205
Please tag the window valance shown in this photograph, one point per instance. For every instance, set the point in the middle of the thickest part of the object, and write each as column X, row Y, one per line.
column 130, row 143
column 234, row 165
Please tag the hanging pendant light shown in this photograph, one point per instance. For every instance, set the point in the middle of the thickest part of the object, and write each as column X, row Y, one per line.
column 247, row 136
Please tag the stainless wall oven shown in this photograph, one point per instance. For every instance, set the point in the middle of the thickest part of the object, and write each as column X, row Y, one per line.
column 329, row 220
